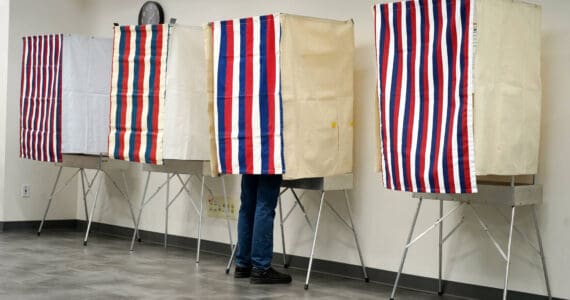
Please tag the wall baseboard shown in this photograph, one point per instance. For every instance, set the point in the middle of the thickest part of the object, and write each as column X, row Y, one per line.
column 420, row 283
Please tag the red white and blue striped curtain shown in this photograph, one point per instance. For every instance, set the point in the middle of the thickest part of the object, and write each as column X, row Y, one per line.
column 137, row 93
column 247, row 96
column 424, row 58
column 40, row 98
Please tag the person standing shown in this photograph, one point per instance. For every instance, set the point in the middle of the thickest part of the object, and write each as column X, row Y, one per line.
column 259, row 195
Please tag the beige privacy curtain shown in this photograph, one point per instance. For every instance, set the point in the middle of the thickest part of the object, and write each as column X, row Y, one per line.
column 317, row 96
column 507, row 85
column 317, row 90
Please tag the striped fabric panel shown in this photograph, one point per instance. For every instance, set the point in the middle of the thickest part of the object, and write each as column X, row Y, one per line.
column 137, row 93
column 40, row 98
column 247, row 92
column 424, row 63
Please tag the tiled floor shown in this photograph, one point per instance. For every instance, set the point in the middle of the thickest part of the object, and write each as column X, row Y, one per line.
column 58, row 266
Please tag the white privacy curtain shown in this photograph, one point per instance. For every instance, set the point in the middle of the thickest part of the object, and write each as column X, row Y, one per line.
column 86, row 81
column 186, row 135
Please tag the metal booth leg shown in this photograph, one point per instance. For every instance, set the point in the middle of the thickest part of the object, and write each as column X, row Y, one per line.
column 539, row 238
column 82, row 172
column 440, row 243
column 285, row 265
column 405, row 252
column 505, row 291
column 51, row 195
column 166, row 210
column 314, row 240
column 90, row 220
column 232, row 246
column 128, row 201
column 200, row 219
column 136, row 229
column 349, row 210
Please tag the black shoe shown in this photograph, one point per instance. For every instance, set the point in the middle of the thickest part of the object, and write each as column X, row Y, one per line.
column 242, row 272
column 268, row 276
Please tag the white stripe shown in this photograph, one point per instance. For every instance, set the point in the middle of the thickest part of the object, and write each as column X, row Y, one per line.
column 401, row 152
column 234, row 100
column 457, row 100
column 52, row 112
column 430, row 66
column 387, row 95
column 278, row 134
column 37, row 77
column 416, row 100
column 129, row 94
column 31, row 96
column 216, row 53
column 445, row 97
column 48, row 99
column 42, row 102
column 162, row 89
column 114, row 92
column 255, row 116
column 24, row 90
column 470, row 101
column 56, row 115
column 145, row 103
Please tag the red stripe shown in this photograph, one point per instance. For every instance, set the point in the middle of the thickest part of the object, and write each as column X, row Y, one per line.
column 412, row 80
column 44, row 98
column 37, row 103
column 270, row 56
column 157, row 93
column 140, row 91
column 123, row 87
column 228, row 96
column 466, row 68
column 397, row 93
column 438, row 98
column 450, row 150
column 385, row 96
column 51, row 90
column 249, row 95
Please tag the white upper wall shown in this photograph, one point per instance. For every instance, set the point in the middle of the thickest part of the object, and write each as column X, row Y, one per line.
column 28, row 17
column 4, row 34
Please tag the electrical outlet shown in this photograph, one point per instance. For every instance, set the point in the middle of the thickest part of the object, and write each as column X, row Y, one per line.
column 216, row 208
column 25, row 191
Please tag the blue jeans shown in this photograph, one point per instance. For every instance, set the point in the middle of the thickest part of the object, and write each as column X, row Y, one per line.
column 259, row 194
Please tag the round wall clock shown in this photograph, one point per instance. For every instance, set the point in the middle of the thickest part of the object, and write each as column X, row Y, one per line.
column 151, row 13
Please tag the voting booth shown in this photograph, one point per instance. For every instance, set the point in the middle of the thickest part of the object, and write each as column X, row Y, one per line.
column 159, row 110
column 64, row 109
column 459, row 96
column 281, row 95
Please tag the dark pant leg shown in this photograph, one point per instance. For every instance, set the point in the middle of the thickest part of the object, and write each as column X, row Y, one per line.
column 267, row 195
column 249, row 186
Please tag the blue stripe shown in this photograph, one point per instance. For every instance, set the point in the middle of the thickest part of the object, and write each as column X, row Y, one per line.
column 241, row 115
column 450, row 99
column 419, row 157
column 263, row 99
column 381, row 47
column 136, row 70
column 151, row 91
column 221, row 93
column 118, row 112
column 409, row 81
column 281, row 111
column 462, row 94
column 393, row 95
column 436, row 99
